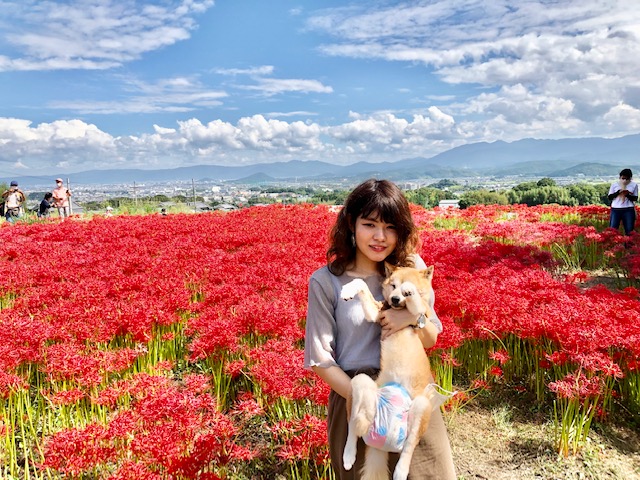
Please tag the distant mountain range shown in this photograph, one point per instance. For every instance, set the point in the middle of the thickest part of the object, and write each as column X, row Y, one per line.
column 530, row 157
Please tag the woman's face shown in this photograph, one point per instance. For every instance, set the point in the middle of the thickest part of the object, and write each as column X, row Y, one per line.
column 375, row 241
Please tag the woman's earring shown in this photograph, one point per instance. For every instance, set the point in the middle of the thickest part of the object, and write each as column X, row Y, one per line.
column 353, row 240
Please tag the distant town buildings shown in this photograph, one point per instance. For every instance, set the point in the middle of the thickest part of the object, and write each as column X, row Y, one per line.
column 449, row 204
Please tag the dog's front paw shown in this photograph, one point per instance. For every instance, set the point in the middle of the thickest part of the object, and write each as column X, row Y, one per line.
column 408, row 289
column 351, row 289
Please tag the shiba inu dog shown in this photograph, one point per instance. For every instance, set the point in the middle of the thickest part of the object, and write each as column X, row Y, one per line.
column 392, row 412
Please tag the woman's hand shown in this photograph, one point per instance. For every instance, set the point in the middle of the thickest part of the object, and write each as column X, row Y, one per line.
column 392, row 321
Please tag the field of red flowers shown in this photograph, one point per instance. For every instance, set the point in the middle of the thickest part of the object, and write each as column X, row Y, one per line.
column 153, row 347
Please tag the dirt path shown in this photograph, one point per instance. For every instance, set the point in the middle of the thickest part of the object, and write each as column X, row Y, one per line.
column 500, row 443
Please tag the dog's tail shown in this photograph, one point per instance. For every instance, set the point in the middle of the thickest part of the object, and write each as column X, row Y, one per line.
column 375, row 465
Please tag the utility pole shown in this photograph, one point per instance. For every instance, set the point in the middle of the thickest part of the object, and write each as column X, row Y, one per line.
column 193, row 187
column 70, row 202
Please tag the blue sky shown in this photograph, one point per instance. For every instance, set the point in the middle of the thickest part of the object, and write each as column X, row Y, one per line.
column 97, row 84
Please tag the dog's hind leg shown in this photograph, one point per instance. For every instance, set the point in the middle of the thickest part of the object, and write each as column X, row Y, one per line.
column 376, row 465
column 364, row 403
column 419, row 416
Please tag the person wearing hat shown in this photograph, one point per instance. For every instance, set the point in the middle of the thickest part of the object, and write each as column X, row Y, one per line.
column 13, row 200
column 61, row 196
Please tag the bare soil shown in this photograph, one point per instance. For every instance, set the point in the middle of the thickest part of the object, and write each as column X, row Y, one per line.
column 507, row 442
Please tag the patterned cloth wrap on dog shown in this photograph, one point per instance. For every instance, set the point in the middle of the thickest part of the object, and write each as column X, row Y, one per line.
column 389, row 428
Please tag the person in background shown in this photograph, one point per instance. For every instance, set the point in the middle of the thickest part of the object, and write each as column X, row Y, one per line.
column 374, row 226
column 45, row 205
column 109, row 211
column 61, row 198
column 13, row 200
column 623, row 195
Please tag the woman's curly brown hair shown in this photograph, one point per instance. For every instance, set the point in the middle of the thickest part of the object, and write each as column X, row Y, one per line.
column 381, row 200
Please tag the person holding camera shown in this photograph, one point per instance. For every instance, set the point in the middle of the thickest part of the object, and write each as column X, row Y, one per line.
column 45, row 205
column 623, row 195
column 61, row 196
column 13, row 200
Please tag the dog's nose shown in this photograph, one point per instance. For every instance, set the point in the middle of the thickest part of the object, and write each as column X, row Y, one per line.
column 395, row 300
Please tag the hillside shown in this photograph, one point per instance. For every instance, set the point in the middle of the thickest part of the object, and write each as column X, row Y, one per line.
column 525, row 157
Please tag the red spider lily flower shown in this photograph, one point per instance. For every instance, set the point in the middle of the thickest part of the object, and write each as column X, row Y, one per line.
column 278, row 367
column 11, row 383
column 164, row 366
column 502, row 356
column 557, row 358
column 67, row 397
column 594, row 362
column 544, row 363
column 577, row 277
column 130, row 470
column 247, row 407
column 234, row 369
column 74, row 452
column 302, row 439
column 479, row 384
column 456, row 401
column 449, row 359
column 109, row 396
column 495, row 371
column 196, row 383
column 577, row 386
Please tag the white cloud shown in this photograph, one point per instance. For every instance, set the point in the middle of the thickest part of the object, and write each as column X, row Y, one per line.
column 255, row 139
column 274, row 86
column 532, row 59
column 93, row 34
column 177, row 94
column 269, row 86
column 253, row 71
column 300, row 113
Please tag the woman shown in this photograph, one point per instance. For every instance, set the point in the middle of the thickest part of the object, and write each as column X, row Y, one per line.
column 61, row 199
column 374, row 226
column 623, row 195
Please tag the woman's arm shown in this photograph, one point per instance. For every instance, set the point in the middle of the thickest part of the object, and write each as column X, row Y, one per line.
column 336, row 379
column 320, row 335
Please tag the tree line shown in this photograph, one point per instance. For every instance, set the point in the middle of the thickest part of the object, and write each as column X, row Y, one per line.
column 544, row 191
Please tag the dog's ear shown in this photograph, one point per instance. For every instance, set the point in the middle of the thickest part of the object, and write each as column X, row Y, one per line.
column 428, row 272
column 389, row 269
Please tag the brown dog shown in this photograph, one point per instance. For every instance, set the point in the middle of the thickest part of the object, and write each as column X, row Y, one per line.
column 403, row 384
